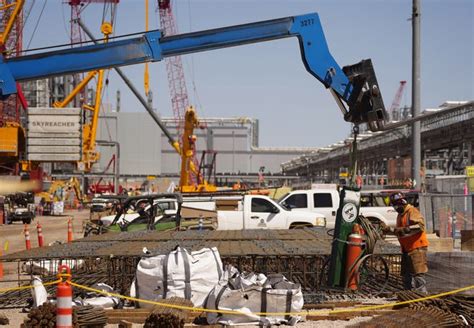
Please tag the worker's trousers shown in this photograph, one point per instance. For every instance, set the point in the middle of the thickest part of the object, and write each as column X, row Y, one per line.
column 414, row 268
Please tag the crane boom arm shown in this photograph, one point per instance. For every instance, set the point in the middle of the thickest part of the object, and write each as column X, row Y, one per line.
column 354, row 85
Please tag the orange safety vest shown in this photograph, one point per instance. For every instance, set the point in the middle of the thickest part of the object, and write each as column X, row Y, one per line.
column 410, row 242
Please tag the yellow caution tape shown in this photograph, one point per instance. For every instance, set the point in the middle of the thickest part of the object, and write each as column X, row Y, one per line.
column 197, row 309
column 173, row 306
column 4, row 290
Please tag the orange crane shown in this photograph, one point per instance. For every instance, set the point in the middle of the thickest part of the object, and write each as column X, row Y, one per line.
column 185, row 115
column 187, row 155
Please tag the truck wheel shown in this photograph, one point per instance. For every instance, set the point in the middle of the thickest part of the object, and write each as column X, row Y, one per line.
column 300, row 226
column 91, row 231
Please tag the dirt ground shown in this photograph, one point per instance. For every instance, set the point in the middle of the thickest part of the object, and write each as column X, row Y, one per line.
column 16, row 318
column 55, row 229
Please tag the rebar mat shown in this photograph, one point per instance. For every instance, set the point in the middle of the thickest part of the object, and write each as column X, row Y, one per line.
column 313, row 241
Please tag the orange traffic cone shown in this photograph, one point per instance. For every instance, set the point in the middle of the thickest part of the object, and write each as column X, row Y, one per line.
column 64, row 298
column 69, row 231
column 26, row 231
column 39, row 230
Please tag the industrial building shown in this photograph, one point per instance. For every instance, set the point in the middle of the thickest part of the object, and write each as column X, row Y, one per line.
column 145, row 151
column 384, row 157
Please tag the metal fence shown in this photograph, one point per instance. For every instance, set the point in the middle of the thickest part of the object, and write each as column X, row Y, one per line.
column 447, row 214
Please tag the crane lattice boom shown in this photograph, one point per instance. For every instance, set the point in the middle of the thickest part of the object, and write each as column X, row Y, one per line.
column 174, row 68
column 396, row 101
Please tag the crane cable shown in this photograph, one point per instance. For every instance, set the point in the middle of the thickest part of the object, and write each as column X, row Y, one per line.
column 105, row 88
column 37, row 23
column 146, row 77
column 353, row 155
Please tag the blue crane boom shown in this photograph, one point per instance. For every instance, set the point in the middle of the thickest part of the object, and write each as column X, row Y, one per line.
column 354, row 85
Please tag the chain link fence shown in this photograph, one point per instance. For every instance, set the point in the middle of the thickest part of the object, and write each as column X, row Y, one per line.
column 447, row 214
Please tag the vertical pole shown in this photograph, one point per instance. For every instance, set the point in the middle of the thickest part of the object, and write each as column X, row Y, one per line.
column 415, row 94
column 1, row 263
column 117, row 168
column 233, row 152
column 117, row 109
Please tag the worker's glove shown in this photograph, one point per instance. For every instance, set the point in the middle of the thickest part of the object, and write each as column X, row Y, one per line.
column 401, row 231
column 387, row 229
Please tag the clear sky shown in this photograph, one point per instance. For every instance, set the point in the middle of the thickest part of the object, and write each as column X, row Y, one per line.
column 268, row 81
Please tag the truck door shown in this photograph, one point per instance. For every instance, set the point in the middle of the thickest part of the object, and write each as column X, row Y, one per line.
column 326, row 204
column 264, row 215
column 297, row 201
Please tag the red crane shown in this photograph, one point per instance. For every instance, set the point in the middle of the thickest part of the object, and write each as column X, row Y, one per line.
column 174, row 68
column 396, row 102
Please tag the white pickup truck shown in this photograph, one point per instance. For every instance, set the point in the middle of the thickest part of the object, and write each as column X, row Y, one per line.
column 326, row 202
column 261, row 212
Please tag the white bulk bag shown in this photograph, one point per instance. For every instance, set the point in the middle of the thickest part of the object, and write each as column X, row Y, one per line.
column 254, row 299
column 178, row 274
column 38, row 292
column 97, row 299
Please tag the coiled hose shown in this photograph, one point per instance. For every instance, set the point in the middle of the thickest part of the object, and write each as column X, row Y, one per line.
column 372, row 233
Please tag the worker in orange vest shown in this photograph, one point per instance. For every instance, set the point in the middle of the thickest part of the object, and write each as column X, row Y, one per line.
column 411, row 234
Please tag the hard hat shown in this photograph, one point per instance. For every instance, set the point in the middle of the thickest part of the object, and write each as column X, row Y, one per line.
column 398, row 198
